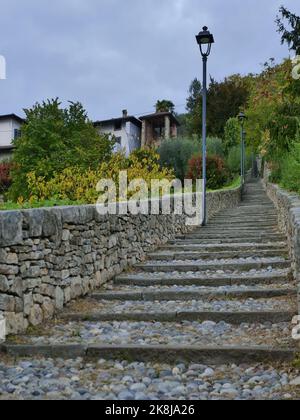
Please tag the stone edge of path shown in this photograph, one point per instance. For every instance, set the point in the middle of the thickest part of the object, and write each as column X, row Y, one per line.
column 194, row 295
column 288, row 208
column 234, row 318
column 166, row 354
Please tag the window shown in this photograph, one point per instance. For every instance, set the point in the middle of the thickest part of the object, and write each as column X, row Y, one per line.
column 118, row 125
column 17, row 133
column 118, row 144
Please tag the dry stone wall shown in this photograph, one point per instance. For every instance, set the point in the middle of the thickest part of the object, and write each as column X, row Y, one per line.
column 288, row 207
column 49, row 257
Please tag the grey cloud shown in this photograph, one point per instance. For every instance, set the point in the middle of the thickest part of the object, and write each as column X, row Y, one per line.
column 112, row 54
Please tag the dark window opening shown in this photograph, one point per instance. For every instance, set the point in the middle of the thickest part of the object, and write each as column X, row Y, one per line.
column 118, row 126
column 17, row 133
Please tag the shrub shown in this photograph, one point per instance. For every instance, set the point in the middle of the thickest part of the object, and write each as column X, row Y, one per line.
column 290, row 170
column 5, row 176
column 214, row 147
column 232, row 134
column 176, row 153
column 217, row 174
column 76, row 184
column 233, row 160
column 53, row 139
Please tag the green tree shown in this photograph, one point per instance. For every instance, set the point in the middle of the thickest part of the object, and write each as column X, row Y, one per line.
column 54, row 138
column 194, row 108
column 225, row 99
column 289, row 36
column 232, row 135
column 164, row 106
column 176, row 153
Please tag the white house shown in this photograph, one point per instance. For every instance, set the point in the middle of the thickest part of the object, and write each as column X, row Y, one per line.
column 126, row 129
column 10, row 126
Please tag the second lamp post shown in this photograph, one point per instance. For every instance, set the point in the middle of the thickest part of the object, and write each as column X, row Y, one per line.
column 242, row 118
column 205, row 40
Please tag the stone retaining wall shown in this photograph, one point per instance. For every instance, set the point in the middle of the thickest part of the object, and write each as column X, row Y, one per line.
column 49, row 257
column 288, row 207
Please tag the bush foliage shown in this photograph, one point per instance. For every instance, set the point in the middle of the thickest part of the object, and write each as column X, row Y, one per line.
column 5, row 176
column 76, row 184
column 217, row 174
column 53, row 139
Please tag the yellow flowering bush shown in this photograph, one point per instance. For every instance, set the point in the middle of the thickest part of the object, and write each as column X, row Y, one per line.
column 79, row 185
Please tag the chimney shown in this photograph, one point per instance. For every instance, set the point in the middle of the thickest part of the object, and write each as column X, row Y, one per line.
column 125, row 113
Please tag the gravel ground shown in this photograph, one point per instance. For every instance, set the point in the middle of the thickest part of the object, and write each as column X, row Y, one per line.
column 48, row 379
column 215, row 305
column 145, row 333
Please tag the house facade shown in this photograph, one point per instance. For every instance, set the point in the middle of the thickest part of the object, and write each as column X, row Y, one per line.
column 126, row 129
column 10, row 129
column 158, row 127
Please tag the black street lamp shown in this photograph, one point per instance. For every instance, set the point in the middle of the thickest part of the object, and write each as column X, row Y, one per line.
column 242, row 118
column 205, row 40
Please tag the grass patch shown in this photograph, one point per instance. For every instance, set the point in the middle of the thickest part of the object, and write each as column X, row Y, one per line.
column 10, row 205
column 234, row 184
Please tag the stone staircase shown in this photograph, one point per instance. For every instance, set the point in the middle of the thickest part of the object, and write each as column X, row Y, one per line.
column 222, row 294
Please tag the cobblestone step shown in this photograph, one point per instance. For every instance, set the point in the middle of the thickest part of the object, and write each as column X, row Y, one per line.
column 188, row 266
column 222, row 294
column 234, row 235
column 218, row 355
column 201, row 279
column 195, row 294
column 234, row 247
column 235, row 318
column 225, row 240
column 208, row 255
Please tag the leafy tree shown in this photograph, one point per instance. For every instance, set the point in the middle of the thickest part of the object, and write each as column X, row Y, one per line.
column 232, row 134
column 289, row 36
column 273, row 100
column 194, row 107
column 225, row 99
column 53, row 139
column 164, row 106
column 175, row 154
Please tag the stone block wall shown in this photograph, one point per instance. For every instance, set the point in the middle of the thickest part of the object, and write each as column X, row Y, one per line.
column 49, row 257
column 288, row 207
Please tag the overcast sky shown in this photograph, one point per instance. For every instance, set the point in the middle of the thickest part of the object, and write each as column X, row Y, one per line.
column 116, row 54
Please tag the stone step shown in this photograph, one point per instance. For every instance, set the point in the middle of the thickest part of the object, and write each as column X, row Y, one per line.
column 187, row 266
column 280, row 246
column 241, row 224
column 209, row 255
column 252, row 218
column 227, row 227
column 159, row 295
column 234, row 318
column 234, row 235
column 245, row 230
column 250, row 279
column 221, row 241
column 208, row 355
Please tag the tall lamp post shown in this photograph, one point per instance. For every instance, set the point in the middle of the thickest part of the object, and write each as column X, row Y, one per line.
column 205, row 40
column 242, row 118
